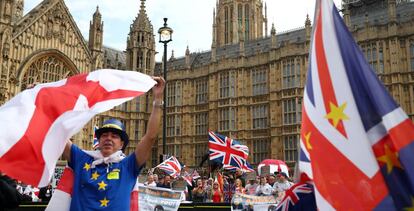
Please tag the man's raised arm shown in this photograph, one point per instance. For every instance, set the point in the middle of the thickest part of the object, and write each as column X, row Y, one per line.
column 66, row 151
column 143, row 148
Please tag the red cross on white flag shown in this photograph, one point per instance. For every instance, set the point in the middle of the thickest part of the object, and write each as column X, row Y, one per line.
column 36, row 123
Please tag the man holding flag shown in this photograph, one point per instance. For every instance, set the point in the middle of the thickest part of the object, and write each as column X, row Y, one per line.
column 105, row 178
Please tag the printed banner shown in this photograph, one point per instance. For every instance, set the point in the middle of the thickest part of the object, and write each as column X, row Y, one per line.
column 248, row 202
column 153, row 198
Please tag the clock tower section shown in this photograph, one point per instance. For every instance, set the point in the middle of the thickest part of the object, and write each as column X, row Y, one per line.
column 237, row 20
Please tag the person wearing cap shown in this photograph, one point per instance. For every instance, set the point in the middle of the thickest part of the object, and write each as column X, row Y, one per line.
column 104, row 179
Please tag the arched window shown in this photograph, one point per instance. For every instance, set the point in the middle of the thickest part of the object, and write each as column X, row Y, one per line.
column 45, row 69
column 240, row 15
column 139, row 59
column 412, row 56
column 231, row 24
column 374, row 59
column 148, row 64
column 381, row 60
column 246, row 22
column 226, row 25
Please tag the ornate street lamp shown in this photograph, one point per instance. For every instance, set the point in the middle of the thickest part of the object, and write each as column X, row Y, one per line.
column 165, row 37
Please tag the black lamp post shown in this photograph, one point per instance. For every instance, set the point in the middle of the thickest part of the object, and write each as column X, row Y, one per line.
column 165, row 37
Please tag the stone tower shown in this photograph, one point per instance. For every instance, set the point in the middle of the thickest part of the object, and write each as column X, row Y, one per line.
column 96, row 39
column 238, row 15
column 141, row 44
column 6, row 28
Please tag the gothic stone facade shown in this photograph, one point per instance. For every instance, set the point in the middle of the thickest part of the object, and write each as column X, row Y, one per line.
column 252, row 89
column 249, row 85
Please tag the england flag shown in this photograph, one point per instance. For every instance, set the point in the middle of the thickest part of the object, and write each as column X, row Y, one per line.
column 36, row 123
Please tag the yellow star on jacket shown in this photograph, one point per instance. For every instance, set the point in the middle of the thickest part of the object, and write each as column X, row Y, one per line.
column 87, row 166
column 390, row 158
column 337, row 113
column 102, row 185
column 104, row 202
column 307, row 141
column 95, row 175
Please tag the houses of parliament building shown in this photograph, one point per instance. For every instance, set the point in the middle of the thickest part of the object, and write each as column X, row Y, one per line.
column 248, row 86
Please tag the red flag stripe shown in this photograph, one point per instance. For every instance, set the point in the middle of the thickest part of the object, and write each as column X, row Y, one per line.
column 335, row 187
column 324, row 74
column 66, row 181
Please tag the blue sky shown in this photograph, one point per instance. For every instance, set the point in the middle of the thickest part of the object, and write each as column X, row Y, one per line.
column 191, row 20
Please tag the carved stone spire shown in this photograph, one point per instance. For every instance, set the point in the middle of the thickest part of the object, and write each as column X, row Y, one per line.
column 214, row 43
column 273, row 35
column 187, row 57
column 308, row 27
column 96, row 38
column 265, row 20
column 141, row 43
column 392, row 14
column 347, row 17
column 172, row 55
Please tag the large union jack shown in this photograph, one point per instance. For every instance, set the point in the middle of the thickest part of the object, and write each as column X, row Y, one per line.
column 171, row 166
column 356, row 142
column 227, row 151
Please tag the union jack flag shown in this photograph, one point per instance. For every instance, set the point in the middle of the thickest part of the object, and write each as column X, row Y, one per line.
column 230, row 168
column 171, row 166
column 228, row 191
column 299, row 197
column 188, row 178
column 195, row 175
column 356, row 142
column 95, row 140
column 227, row 151
column 247, row 167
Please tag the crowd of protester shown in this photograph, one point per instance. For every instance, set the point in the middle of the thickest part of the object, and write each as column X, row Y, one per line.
column 206, row 189
column 202, row 189
column 13, row 192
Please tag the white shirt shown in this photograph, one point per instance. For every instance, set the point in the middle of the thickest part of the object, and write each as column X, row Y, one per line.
column 282, row 186
column 152, row 184
column 264, row 190
column 251, row 189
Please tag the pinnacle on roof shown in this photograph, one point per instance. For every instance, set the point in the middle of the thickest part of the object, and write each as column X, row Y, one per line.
column 273, row 30
column 97, row 13
column 142, row 10
column 307, row 21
